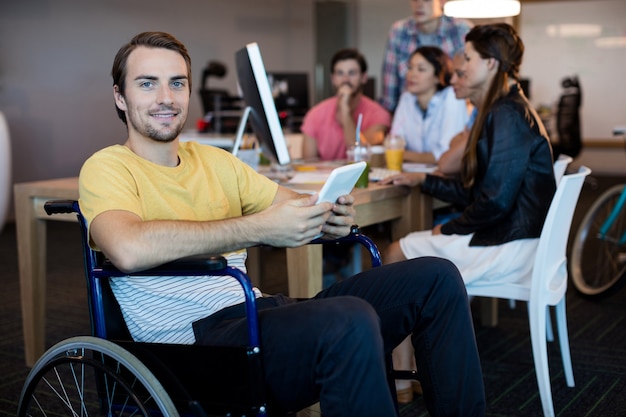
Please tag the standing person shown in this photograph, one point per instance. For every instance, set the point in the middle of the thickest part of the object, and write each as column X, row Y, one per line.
column 507, row 179
column 428, row 114
column 426, row 26
column 154, row 199
column 330, row 126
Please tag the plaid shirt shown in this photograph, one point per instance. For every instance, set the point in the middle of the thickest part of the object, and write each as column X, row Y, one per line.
column 403, row 39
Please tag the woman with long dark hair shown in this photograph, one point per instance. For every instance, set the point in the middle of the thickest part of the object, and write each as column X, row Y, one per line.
column 507, row 180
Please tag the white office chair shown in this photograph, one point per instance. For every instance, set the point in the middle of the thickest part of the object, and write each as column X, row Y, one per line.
column 560, row 165
column 5, row 170
column 547, row 284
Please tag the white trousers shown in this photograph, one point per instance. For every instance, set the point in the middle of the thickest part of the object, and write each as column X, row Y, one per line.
column 489, row 264
column 500, row 263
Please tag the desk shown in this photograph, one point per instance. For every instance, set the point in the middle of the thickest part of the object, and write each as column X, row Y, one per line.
column 30, row 223
column 407, row 209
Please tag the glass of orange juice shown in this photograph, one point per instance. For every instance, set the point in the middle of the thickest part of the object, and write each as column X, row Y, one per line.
column 394, row 152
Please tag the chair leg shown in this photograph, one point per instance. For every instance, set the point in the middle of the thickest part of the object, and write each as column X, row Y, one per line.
column 537, row 321
column 549, row 331
column 356, row 263
column 561, row 323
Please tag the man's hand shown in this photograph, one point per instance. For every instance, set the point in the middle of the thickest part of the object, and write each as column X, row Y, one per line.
column 292, row 222
column 341, row 218
column 411, row 179
column 343, row 111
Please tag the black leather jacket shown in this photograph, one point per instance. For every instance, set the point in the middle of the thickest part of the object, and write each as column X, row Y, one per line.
column 514, row 181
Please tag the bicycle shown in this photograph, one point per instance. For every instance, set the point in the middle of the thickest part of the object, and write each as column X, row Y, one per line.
column 598, row 258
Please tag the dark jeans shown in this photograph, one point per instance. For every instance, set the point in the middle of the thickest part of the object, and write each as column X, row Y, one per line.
column 336, row 346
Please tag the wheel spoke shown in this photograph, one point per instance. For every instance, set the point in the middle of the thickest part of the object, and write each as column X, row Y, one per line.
column 64, row 400
column 101, row 379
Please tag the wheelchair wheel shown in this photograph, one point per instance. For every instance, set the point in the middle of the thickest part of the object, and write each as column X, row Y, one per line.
column 88, row 376
column 604, row 258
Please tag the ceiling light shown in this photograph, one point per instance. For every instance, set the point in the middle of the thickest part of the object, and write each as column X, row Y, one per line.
column 481, row 9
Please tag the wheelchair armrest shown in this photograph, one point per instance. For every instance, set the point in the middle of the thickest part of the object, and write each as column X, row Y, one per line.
column 61, row 207
column 190, row 266
column 355, row 236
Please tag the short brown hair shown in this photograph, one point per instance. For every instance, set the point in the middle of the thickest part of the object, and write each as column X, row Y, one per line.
column 348, row 53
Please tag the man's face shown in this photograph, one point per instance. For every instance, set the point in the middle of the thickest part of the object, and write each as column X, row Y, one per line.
column 425, row 11
column 156, row 99
column 348, row 72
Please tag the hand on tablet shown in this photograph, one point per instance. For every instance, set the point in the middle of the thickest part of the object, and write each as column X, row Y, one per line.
column 341, row 218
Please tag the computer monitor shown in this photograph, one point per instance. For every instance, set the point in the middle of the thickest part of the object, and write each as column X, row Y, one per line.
column 291, row 95
column 261, row 109
column 290, row 90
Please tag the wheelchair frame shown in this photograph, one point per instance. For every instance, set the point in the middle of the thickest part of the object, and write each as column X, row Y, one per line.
column 137, row 378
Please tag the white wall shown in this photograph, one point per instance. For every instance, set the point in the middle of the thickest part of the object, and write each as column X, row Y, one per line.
column 555, row 50
column 56, row 56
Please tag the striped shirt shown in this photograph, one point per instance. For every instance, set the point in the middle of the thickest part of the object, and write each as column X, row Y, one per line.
column 403, row 39
column 161, row 309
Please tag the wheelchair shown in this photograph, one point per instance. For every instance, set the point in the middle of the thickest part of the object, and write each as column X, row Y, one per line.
column 109, row 374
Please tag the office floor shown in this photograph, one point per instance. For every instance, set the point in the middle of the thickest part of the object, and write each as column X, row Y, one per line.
column 597, row 338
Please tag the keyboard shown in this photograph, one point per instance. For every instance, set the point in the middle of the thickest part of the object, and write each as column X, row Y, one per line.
column 380, row 173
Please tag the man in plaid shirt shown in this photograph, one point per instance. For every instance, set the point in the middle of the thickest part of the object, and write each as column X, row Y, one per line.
column 426, row 26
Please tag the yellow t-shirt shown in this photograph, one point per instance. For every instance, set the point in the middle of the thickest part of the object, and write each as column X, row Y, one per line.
column 208, row 184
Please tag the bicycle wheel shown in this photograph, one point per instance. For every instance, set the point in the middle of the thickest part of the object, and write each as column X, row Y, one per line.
column 88, row 376
column 597, row 263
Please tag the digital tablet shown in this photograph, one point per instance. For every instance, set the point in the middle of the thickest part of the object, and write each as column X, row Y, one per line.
column 341, row 181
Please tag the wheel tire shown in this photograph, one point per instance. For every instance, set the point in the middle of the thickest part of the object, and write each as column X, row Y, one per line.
column 88, row 376
column 604, row 259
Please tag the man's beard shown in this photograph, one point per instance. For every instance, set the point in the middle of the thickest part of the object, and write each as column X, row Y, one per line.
column 356, row 90
column 160, row 136
column 152, row 132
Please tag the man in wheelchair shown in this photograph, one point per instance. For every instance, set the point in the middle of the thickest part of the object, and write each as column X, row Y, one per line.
column 153, row 200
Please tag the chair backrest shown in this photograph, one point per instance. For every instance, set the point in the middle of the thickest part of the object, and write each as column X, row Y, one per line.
column 549, row 278
column 560, row 165
column 106, row 317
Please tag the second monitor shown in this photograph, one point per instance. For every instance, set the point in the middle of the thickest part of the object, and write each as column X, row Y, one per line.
column 291, row 95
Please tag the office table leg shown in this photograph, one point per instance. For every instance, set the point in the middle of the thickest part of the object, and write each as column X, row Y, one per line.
column 31, row 241
column 416, row 215
column 304, row 270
